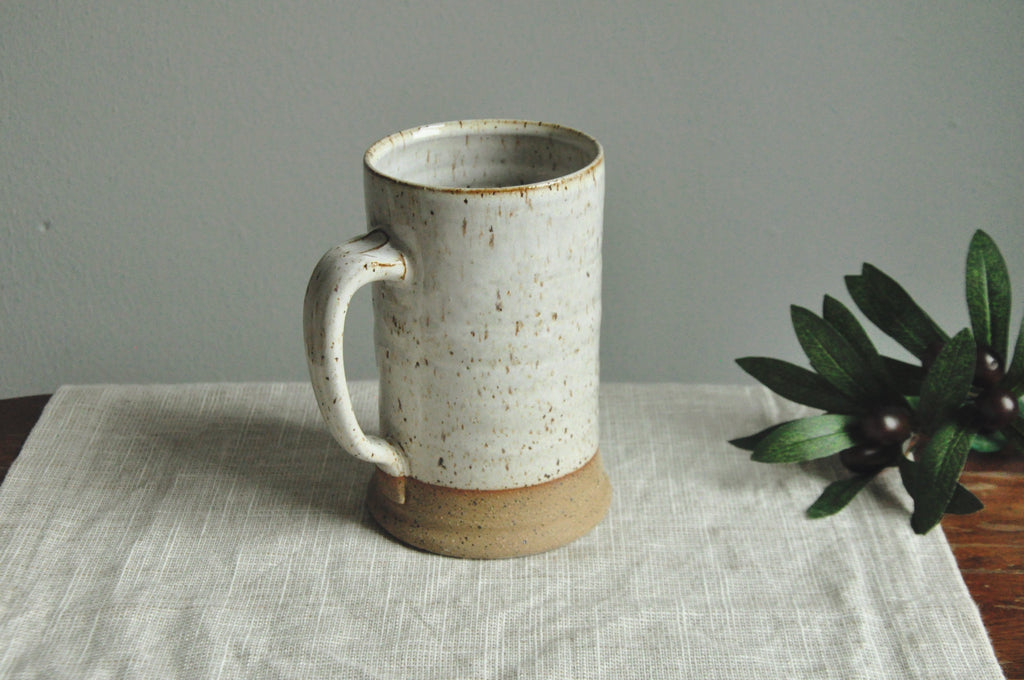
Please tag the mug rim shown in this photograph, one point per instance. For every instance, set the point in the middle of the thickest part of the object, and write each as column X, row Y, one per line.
column 481, row 125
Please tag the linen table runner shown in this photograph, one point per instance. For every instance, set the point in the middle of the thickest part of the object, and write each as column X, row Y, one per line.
column 217, row 531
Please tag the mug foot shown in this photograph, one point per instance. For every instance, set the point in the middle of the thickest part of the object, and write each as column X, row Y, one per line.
column 493, row 524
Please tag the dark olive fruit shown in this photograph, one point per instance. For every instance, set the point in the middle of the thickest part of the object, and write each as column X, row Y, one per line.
column 887, row 425
column 869, row 458
column 988, row 369
column 996, row 408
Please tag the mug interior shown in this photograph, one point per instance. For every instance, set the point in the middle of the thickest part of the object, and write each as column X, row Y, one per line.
column 483, row 154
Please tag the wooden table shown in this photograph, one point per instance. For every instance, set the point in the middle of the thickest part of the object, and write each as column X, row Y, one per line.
column 989, row 545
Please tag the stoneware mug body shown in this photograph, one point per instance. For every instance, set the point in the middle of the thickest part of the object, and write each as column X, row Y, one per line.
column 484, row 251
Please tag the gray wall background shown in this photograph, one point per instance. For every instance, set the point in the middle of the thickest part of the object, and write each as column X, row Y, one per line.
column 171, row 171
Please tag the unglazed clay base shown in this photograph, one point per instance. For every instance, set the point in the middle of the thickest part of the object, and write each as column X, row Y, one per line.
column 492, row 524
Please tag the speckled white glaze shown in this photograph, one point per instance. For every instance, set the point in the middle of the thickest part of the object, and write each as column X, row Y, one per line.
column 485, row 250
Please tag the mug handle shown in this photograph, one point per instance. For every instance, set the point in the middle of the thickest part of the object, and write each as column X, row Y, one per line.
column 339, row 273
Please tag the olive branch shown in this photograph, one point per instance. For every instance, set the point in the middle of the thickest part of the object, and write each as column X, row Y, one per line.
column 922, row 417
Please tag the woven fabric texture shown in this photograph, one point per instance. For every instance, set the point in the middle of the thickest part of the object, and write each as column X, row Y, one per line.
column 216, row 531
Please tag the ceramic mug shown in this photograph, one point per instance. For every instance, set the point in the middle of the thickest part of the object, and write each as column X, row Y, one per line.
column 484, row 250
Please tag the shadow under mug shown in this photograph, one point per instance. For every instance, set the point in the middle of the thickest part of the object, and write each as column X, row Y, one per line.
column 484, row 252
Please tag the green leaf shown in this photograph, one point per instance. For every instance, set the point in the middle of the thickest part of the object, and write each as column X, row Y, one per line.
column 947, row 382
column 938, row 468
column 1015, row 432
column 797, row 384
column 836, row 359
column 906, row 378
column 837, row 496
column 908, row 475
column 843, row 320
column 988, row 443
column 806, row 439
column 988, row 293
column 1014, row 380
column 963, row 502
column 891, row 308
column 750, row 442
